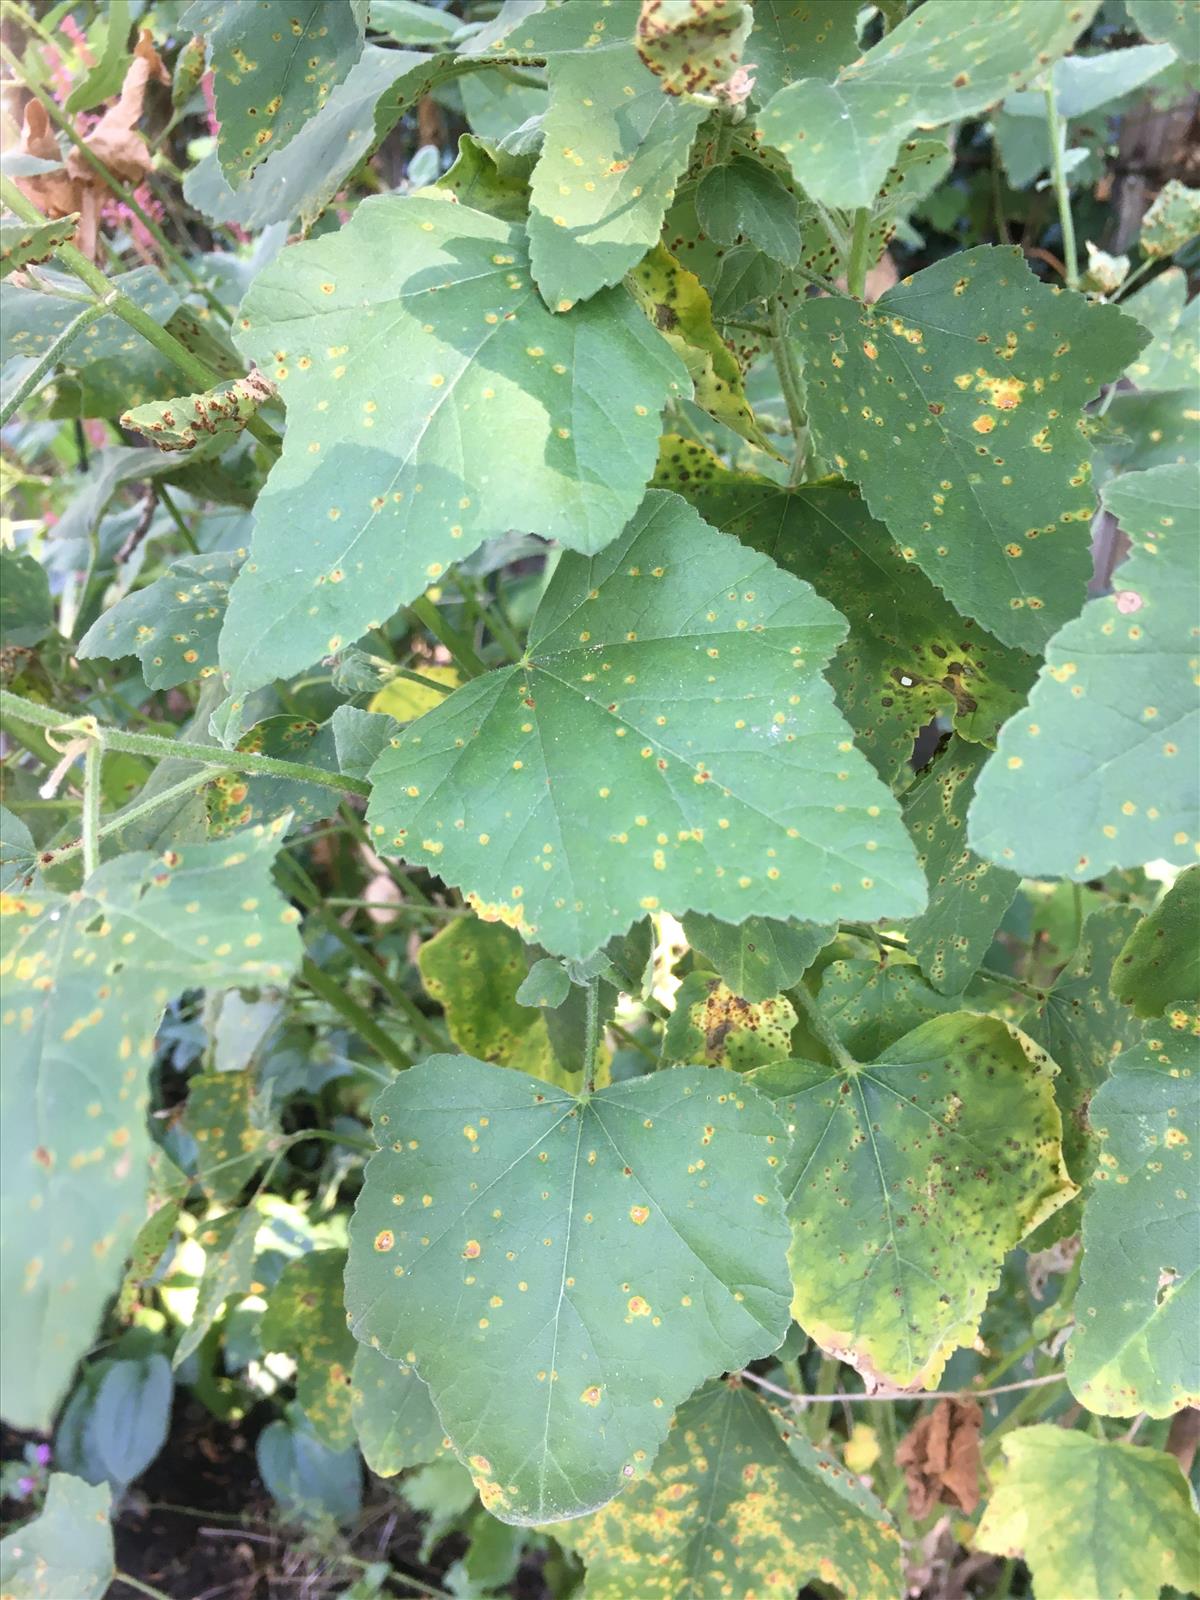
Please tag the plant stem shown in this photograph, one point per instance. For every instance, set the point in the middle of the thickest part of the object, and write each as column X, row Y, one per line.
column 162, row 749
column 793, row 392
column 591, row 1035
column 142, row 1588
column 863, row 930
column 54, row 858
column 90, row 842
column 176, row 517
column 1057, row 130
column 195, row 370
column 419, row 677
column 352, row 1013
column 823, row 1029
column 856, row 266
column 899, row 1399
column 461, row 649
column 50, row 357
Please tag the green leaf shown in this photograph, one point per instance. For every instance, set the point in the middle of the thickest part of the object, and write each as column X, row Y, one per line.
column 760, row 957
column 745, row 198
column 1134, row 1346
column 963, row 366
column 872, row 1004
column 1113, row 719
column 670, row 745
column 712, row 1025
column 737, row 1496
column 18, row 852
column 391, row 506
column 496, row 103
column 228, row 1243
column 394, row 1418
column 800, row 41
column 1141, row 431
column 273, row 69
column 1092, row 1516
column 908, row 1181
column 909, row 657
column 967, row 895
column 547, row 983
column 944, row 63
column 172, row 625
column 129, row 1417
column 561, row 1286
column 23, row 244
column 615, row 147
column 1159, row 966
column 1171, row 221
column 232, row 1129
column 104, row 79
column 311, row 1482
column 87, row 978
column 1172, row 359
column 26, row 609
column 1176, row 22
column 410, row 23
column 192, row 419
column 735, row 276
column 234, row 800
column 919, row 167
column 305, row 1318
column 693, row 46
column 148, row 1248
column 66, row 1550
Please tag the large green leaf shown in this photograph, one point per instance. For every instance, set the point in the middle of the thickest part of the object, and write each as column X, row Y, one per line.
column 908, row 1181
column 273, row 68
column 558, row 1282
column 909, row 657
column 670, row 744
column 1095, row 1517
column 172, row 625
column 388, row 373
column 394, row 1418
column 1159, row 966
column 305, row 1319
column 811, row 39
column 945, row 62
column 87, row 977
column 66, row 1550
column 737, row 1497
column 1114, row 720
column 967, row 896
column 979, row 374
column 1134, row 1347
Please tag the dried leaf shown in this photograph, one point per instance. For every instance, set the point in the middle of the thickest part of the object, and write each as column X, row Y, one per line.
column 941, row 1460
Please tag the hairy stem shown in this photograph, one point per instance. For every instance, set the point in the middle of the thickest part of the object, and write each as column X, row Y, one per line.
column 1057, row 129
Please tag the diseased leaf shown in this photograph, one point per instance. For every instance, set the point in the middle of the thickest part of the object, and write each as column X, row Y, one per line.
column 148, row 1248
column 1141, row 431
column 390, row 494
column 1134, row 1346
column 967, row 895
column 1114, row 719
column 693, row 46
column 1092, row 1516
column 234, row 800
column 394, row 1418
column 945, row 62
column 736, row 1481
column 803, row 39
column 711, row 1025
column 1159, row 966
column 1172, row 359
column 760, row 957
column 1171, row 221
column 87, row 977
column 192, row 419
column 964, row 367
column 735, row 276
column 23, row 244
column 559, row 1285
column 232, row 1129
column 172, row 625
column 66, row 1550
column 1176, row 22
column 907, row 1182
column 872, row 1004
column 941, row 1458
column 909, row 657
column 670, row 744
column 228, row 1243
column 305, row 1319
column 273, row 68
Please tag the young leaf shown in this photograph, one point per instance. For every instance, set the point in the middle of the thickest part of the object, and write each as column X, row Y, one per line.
column 671, row 744
column 761, row 957
column 1092, row 1516
column 908, row 1181
column 943, row 63
column 979, row 373
column 745, row 198
column 967, row 896
column 558, row 1283
column 87, row 977
column 1134, row 1346
column 305, row 1318
column 310, row 1481
column 374, row 463
column 66, row 1550
column 871, row 1004
column 1159, row 966
column 737, row 1496
column 271, row 71
column 394, row 1418
column 547, row 984
column 1113, row 721
column 228, row 1243
column 128, row 1423
column 712, row 1025
column 172, row 625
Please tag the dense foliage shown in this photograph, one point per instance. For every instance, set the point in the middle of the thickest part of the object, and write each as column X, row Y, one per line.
column 600, row 793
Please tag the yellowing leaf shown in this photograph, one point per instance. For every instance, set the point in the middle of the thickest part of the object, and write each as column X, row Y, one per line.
column 406, row 701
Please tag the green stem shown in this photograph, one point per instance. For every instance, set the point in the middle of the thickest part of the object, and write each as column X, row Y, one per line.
column 177, row 518
column 352, row 1013
column 352, row 1141
column 142, row 1588
column 591, row 1035
column 856, row 266
column 461, row 649
column 793, row 391
column 90, row 842
column 823, row 1029
column 1057, row 129
column 760, row 328
column 493, row 620
column 51, row 356
column 162, row 749
column 55, row 858
column 111, row 181
column 819, row 1412
column 419, row 677
column 195, row 370
column 863, row 930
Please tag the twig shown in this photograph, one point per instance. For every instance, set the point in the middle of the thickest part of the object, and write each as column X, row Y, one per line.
column 142, row 1588
column 141, row 527
column 902, row 1395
